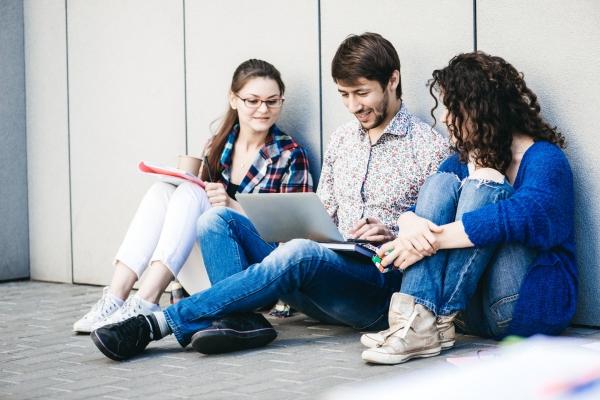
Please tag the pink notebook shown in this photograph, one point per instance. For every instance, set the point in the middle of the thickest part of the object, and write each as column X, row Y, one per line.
column 169, row 174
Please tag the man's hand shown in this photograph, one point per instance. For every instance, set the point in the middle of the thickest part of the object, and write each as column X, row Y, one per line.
column 217, row 195
column 399, row 252
column 370, row 229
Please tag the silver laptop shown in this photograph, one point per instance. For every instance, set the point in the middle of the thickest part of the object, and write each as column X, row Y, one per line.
column 280, row 217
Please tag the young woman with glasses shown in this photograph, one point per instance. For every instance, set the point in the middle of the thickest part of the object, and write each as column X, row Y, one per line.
column 247, row 154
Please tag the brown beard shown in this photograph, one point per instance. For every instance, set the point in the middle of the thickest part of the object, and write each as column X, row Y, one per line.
column 380, row 112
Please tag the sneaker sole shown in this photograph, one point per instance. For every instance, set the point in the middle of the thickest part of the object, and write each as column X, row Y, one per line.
column 98, row 342
column 217, row 341
column 391, row 359
column 447, row 345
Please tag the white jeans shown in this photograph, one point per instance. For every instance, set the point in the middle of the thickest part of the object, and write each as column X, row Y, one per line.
column 164, row 227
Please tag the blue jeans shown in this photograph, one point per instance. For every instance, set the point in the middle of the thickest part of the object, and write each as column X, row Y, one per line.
column 482, row 282
column 248, row 273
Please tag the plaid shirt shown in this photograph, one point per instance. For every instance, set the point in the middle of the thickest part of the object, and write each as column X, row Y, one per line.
column 280, row 166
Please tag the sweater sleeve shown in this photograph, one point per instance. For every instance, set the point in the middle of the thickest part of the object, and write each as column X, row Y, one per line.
column 539, row 213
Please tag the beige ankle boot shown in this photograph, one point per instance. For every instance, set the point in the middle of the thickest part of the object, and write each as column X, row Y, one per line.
column 396, row 322
column 446, row 330
column 417, row 338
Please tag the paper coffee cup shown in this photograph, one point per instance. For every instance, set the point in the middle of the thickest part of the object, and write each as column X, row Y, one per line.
column 189, row 164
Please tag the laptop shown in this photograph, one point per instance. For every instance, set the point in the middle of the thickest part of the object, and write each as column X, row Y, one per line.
column 280, row 217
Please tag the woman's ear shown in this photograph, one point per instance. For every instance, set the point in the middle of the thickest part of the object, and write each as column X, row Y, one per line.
column 232, row 100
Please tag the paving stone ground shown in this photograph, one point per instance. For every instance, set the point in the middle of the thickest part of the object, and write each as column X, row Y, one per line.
column 40, row 357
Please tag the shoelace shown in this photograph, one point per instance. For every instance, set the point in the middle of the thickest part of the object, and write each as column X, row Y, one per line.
column 132, row 308
column 99, row 306
column 403, row 328
column 136, row 329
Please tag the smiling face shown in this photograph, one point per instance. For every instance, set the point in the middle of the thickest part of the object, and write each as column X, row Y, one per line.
column 372, row 105
column 256, row 119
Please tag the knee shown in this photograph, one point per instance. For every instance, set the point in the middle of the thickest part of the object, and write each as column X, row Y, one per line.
column 161, row 189
column 487, row 174
column 215, row 217
column 439, row 191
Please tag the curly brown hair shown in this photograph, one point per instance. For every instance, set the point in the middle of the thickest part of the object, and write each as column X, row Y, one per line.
column 487, row 101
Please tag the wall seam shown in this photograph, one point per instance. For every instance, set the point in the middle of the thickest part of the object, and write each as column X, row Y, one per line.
column 185, row 102
column 69, row 139
column 474, row 25
column 26, row 136
column 320, row 85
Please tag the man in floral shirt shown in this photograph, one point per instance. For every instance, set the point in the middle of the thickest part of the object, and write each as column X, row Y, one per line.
column 372, row 172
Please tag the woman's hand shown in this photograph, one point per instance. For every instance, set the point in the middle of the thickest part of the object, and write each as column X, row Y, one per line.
column 399, row 252
column 419, row 233
column 370, row 229
column 217, row 195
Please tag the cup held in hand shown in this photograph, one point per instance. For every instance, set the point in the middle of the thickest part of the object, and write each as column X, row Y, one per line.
column 189, row 164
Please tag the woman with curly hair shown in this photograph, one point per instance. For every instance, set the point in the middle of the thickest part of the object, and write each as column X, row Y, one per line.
column 490, row 244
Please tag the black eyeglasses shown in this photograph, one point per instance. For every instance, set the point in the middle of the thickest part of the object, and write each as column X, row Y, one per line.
column 255, row 103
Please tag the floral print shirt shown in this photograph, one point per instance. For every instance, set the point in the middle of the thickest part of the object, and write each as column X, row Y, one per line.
column 379, row 180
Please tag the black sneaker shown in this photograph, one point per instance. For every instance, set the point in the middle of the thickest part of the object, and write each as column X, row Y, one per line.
column 234, row 332
column 123, row 340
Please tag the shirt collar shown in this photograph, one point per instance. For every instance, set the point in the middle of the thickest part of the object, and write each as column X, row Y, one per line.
column 399, row 125
column 275, row 143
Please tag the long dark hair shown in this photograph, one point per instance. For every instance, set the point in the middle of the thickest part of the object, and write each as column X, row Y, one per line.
column 246, row 71
column 488, row 100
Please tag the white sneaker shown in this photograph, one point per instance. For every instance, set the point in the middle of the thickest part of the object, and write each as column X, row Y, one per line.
column 132, row 307
column 105, row 307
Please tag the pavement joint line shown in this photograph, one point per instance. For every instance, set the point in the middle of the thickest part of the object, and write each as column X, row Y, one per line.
column 113, row 397
column 346, row 378
column 234, row 393
column 320, row 335
column 331, row 350
column 7, row 303
column 174, row 357
column 230, row 373
column 60, row 390
column 288, row 380
column 117, row 387
column 8, row 381
column 280, row 353
column 287, row 371
column 12, row 372
column 173, row 366
column 80, row 346
column 173, row 375
column 115, row 377
column 120, row 369
column 327, row 342
column 228, row 364
column 318, row 328
column 338, row 367
column 37, row 326
column 70, row 362
column 72, row 353
column 282, row 362
column 65, row 380
column 177, row 396
column 26, row 346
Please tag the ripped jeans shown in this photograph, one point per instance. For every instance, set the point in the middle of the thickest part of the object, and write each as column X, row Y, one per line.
column 482, row 283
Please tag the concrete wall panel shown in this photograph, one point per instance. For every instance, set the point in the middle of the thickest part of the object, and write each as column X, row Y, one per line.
column 221, row 35
column 426, row 35
column 126, row 77
column 556, row 45
column 47, row 140
column 14, row 240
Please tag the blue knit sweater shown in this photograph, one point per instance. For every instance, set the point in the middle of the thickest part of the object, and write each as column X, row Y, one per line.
column 539, row 214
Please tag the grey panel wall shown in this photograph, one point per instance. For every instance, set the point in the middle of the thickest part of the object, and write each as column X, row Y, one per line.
column 14, row 241
column 48, row 140
column 556, row 45
column 221, row 35
column 126, row 90
column 425, row 34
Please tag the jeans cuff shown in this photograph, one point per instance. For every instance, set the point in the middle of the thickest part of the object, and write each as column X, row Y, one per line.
column 427, row 304
column 183, row 341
